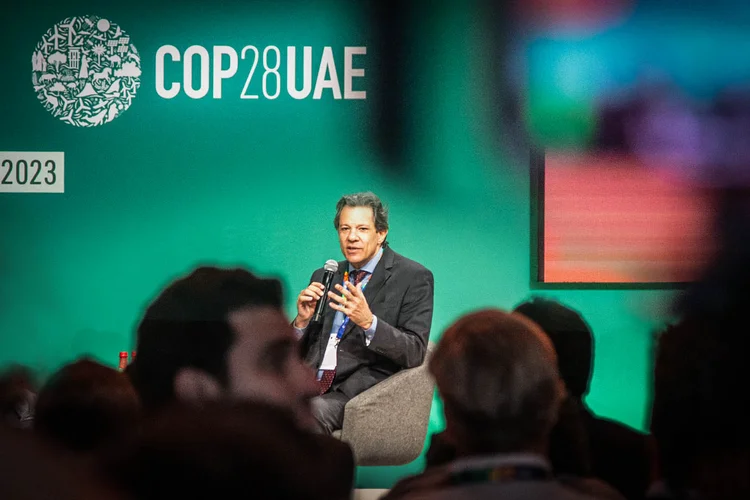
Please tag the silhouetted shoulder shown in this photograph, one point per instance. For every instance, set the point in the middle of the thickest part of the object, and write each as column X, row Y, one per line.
column 620, row 455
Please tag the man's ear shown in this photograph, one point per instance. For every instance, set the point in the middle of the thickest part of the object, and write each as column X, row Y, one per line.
column 382, row 236
column 194, row 385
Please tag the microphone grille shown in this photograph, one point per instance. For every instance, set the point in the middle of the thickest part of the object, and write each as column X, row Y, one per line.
column 331, row 265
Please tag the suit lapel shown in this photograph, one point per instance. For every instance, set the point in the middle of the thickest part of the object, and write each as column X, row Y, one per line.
column 379, row 278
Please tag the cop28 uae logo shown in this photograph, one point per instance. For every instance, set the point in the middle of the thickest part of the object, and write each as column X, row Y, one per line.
column 85, row 71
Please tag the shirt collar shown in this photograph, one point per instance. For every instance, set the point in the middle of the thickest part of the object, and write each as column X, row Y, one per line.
column 370, row 266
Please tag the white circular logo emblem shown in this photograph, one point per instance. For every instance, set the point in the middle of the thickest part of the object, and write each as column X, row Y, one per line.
column 85, row 71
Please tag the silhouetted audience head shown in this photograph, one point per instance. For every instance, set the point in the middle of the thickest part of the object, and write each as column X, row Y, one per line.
column 221, row 333
column 699, row 413
column 32, row 470
column 571, row 336
column 17, row 397
column 583, row 441
column 497, row 375
column 228, row 450
column 86, row 406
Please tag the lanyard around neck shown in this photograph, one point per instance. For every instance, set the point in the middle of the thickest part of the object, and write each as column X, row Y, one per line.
column 502, row 474
column 340, row 332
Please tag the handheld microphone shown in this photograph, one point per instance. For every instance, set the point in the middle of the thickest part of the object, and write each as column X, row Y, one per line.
column 330, row 267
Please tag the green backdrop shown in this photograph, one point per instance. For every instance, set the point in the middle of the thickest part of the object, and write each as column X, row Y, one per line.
column 173, row 183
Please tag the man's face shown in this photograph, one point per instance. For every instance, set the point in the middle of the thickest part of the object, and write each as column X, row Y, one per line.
column 264, row 363
column 357, row 235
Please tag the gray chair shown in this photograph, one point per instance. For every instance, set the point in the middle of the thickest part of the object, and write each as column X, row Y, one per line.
column 387, row 423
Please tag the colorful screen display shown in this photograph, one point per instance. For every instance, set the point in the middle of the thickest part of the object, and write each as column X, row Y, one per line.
column 609, row 218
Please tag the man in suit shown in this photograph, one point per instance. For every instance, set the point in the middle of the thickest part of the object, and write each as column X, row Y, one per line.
column 378, row 318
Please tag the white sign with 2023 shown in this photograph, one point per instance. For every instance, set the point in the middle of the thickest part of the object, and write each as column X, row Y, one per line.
column 32, row 172
column 85, row 71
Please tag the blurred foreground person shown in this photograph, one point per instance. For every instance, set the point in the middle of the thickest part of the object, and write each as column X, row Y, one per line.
column 86, row 406
column 221, row 334
column 699, row 416
column 17, row 397
column 497, row 374
column 230, row 451
column 211, row 342
column 32, row 471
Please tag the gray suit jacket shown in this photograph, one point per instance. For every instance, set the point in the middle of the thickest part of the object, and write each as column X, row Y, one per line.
column 400, row 293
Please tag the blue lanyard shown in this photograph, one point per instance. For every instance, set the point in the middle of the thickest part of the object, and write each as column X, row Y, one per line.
column 340, row 333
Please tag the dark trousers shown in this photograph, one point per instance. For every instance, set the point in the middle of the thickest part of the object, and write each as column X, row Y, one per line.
column 328, row 410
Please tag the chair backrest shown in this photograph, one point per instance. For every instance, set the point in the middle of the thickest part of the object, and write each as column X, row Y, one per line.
column 387, row 424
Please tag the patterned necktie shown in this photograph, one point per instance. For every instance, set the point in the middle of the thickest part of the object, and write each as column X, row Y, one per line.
column 356, row 276
column 326, row 379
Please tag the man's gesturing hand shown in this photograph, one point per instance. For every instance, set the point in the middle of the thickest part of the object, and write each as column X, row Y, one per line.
column 306, row 302
column 352, row 303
